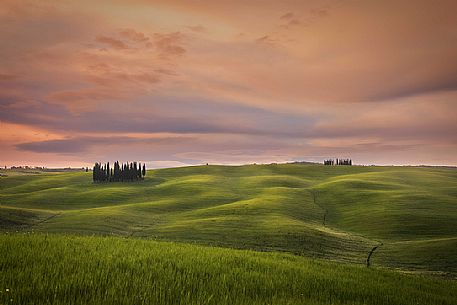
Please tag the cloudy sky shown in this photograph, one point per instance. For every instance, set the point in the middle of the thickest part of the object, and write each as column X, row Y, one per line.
column 227, row 81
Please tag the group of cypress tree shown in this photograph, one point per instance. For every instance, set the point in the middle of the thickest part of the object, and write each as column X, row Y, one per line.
column 338, row 162
column 119, row 172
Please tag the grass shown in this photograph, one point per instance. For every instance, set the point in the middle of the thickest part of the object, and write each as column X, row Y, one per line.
column 173, row 238
column 262, row 207
column 60, row 269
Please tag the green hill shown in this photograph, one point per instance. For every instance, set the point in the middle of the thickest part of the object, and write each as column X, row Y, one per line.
column 332, row 212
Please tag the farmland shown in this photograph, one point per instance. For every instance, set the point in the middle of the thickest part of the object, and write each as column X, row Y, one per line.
column 318, row 222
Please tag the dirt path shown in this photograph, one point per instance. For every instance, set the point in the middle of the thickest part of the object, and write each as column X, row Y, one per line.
column 371, row 253
column 44, row 220
column 314, row 194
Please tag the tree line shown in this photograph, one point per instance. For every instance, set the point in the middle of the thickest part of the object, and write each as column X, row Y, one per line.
column 338, row 162
column 119, row 172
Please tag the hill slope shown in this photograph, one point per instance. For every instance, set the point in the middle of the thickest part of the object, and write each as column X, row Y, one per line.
column 332, row 212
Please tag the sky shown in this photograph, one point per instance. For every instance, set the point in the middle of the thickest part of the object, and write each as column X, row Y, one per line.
column 173, row 83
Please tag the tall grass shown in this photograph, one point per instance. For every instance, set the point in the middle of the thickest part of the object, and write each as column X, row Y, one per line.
column 58, row 269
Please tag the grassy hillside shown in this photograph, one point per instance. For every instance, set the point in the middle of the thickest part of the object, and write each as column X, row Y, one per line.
column 58, row 269
column 332, row 212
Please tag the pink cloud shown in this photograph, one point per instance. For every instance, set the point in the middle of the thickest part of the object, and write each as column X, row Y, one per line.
column 365, row 85
column 112, row 42
column 287, row 16
column 134, row 36
column 169, row 44
column 196, row 28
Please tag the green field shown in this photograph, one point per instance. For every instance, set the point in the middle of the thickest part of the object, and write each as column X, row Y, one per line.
column 112, row 270
column 332, row 213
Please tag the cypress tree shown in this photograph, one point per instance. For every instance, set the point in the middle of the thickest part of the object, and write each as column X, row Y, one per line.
column 135, row 171
column 138, row 174
column 94, row 172
column 130, row 171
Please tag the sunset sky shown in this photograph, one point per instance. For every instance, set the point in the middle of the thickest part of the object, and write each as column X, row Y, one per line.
column 174, row 83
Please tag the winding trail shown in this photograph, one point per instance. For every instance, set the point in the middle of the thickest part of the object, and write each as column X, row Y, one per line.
column 314, row 194
column 380, row 243
column 46, row 219
column 325, row 216
column 134, row 232
column 32, row 225
column 371, row 253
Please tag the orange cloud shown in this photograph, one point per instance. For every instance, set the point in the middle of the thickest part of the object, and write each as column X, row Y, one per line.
column 112, row 42
column 133, row 35
column 169, row 43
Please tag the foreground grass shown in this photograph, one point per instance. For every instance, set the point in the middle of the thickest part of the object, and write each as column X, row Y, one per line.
column 58, row 269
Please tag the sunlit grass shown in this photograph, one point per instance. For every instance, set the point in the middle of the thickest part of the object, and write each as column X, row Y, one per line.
column 57, row 269
column 260, row 207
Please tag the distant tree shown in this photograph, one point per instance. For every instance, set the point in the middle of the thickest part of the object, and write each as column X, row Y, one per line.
column 138, row 173
column 94, row 172
column 130, row 171
column 113, row 170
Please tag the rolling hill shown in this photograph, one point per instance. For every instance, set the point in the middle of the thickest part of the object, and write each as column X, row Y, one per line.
column 337, row 213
